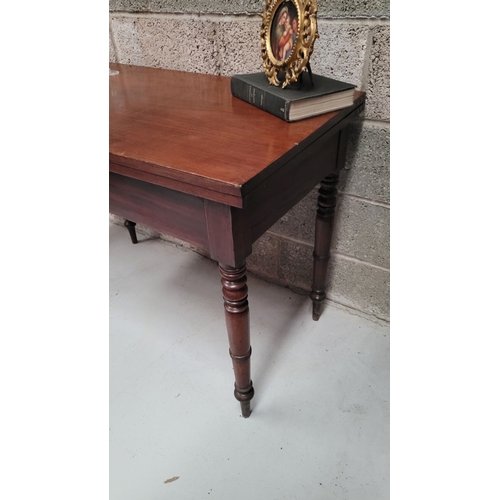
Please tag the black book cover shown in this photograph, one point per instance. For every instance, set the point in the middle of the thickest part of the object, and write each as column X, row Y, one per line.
column 255, row 89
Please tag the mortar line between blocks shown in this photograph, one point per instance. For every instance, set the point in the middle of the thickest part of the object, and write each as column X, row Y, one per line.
column 376, row 123
column 366, row 62
column 333, row 252
column 217, row 16
column 364, row 262
column 366, row 200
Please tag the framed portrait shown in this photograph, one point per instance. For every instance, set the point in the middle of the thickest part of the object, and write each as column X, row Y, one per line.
column 287, row 36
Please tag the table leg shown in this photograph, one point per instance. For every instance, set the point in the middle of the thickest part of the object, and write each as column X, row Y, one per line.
column 235, row 293
column 131, row 229
column 327, row 200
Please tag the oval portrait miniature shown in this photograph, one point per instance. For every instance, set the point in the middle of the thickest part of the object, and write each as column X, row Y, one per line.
column 288, row 33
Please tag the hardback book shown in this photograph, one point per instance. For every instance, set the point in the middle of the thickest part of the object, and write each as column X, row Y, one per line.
column 296, row 102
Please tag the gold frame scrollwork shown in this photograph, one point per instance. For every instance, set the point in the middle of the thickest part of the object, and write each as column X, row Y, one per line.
column 307, row 32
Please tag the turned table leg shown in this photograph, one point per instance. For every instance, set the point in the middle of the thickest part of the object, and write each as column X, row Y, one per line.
column 131, row 229
column 235, row 293
column 327, row 200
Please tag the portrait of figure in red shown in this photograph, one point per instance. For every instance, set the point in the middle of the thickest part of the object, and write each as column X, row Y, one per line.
column 284, row 31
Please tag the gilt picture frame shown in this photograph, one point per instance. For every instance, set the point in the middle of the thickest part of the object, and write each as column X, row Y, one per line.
column 287, row 35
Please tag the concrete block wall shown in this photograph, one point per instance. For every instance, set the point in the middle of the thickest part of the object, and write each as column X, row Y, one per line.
column 222, row 37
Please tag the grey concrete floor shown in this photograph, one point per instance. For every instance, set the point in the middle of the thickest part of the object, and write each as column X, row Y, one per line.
column 320, row 422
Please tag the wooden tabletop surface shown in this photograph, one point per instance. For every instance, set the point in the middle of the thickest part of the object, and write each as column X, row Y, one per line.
column 188, row 128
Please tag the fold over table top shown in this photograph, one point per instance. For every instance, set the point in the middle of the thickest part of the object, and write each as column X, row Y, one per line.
column 187, row 132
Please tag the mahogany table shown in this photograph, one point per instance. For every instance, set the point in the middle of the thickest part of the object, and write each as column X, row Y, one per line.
column 189, row 160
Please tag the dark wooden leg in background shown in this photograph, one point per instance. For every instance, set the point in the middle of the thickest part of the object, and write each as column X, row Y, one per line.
column 235, row 293
column 327, row 200
column 131, row 229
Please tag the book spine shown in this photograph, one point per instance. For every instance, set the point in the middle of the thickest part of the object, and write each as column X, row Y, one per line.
column 273, row 104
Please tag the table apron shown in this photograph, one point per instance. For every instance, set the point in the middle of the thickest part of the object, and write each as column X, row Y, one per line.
column 170, row 212
column 283, row 190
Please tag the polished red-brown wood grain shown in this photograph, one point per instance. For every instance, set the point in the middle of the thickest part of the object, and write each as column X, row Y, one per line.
column 196, row 136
